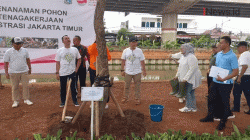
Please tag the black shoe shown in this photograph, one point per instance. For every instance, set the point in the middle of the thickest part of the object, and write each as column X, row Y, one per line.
column 221, row 126
column 76, row 104
column 247, row 112
column 61, row 105
column 207, row 120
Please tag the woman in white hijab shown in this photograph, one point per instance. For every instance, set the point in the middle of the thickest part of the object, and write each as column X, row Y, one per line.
column 188, row 71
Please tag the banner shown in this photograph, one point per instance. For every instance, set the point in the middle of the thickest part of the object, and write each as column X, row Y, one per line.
column 41, row 24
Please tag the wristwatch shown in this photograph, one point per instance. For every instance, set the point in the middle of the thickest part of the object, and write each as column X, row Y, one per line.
column 122, row 70
column 57, row 72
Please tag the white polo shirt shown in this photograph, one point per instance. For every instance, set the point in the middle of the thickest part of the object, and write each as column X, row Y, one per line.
column 244, row 59
column 133, row 60
column 17, row 60
column 67, row 58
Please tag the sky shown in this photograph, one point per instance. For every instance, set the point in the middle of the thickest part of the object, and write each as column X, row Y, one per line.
column 234, row 24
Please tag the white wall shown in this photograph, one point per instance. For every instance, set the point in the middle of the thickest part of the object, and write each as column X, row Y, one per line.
column 113, row 20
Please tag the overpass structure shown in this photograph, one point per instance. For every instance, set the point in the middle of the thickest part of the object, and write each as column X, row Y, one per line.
column 169, row 9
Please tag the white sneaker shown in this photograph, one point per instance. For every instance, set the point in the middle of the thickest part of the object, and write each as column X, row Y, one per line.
column 107, row 106
column 229, row 117
column 193, row 110
column 15, row 104
column 181, row 100
column 185, row 109
column 28, row 102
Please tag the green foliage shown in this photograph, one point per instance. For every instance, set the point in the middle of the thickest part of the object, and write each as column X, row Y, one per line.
column 111, row 49
column 122, row 42
column 107, row 137
column 8, row 42
column 248, row 38
column 109, row 44
column 203, row 41
column 169, row 135
column 145, row 43
column 59, row 133
column 156, row 44
column 171, row 45
column 124, row 34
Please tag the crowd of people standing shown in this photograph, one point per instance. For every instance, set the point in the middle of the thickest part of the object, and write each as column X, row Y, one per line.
column 71, row 64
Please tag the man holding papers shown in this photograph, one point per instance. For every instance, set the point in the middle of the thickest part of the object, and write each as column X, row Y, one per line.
column 242, row 82
column 222, row 85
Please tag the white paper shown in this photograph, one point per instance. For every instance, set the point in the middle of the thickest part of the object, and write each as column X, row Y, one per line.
column 217, row 71
column 92, row 93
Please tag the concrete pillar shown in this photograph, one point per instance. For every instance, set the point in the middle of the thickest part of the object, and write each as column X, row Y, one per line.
column 169, row 27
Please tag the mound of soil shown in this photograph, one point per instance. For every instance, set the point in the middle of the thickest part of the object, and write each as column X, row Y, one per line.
column 114, row 124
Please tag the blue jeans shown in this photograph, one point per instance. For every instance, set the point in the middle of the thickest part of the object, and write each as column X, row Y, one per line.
column 238, row 88
column 190, row 100
column 63, row 85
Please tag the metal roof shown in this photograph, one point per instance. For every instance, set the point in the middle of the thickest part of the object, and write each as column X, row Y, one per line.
column 137, row 6
column 198, row 7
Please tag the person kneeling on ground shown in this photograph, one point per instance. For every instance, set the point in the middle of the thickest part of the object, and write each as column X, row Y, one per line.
column 188, row 72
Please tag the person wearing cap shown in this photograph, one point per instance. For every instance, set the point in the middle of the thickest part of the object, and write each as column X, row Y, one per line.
column 131, row 67
column 242, row 81
column 66, row 69
column 17, row 67
column 219, row 91
column 189, row 73
column 215, row 50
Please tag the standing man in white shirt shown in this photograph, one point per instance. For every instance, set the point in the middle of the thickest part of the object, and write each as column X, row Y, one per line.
column 133, row 60
column 66, row 68
column 17, row 67
column 242, row 81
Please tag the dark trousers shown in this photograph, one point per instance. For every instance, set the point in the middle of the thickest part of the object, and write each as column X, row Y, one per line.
column 218, row 101
column 92, row 75
column 238, row 88
column 209, row 81
column 81, row 74
column 63, row 84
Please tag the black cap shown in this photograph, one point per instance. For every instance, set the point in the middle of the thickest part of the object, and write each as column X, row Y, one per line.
column 242, row 43
column 133, row 39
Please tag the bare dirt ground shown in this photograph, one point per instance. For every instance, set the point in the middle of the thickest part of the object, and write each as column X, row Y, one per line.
column 44, row 115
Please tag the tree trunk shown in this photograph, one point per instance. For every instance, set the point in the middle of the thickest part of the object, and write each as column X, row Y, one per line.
column 100, row 36
column 102, row 50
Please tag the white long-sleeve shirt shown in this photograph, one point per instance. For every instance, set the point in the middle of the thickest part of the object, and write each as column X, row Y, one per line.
column 189, row 71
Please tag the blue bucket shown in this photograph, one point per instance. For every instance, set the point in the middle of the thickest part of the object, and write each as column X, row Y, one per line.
column 156, row 112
